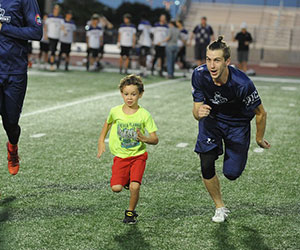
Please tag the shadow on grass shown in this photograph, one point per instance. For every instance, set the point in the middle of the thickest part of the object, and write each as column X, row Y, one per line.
column 222, row 234
column 4, row 216
column 132, row 239
column 252, row 239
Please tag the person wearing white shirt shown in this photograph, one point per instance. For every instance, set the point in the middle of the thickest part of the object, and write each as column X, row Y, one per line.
column 44, row 44
column 144, row 31
column 66, row 39
column 160, row 33
column 126, row 40
column 53, row 27
column 94, row 40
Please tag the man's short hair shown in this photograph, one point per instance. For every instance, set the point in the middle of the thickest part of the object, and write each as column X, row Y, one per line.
column 204, row 17
column 132, row 80
column 220, row 44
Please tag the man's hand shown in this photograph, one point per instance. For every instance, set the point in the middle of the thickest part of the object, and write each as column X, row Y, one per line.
column 141, row 137
column 204, row 111
column 0, row 25
column 101, row 149
column 263, row 143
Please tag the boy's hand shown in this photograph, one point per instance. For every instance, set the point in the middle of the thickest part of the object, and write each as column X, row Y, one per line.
column 101, row 149
column 141, row 137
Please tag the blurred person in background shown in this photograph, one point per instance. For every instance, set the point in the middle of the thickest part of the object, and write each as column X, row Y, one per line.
column 126, row 40
column 94, row 40
column 44, row 45
column 182, row 41
column 171, row 47
column 243, row 38
column 66, row 39
column 144, row 34
column 53, row 27
column 160, row 33
column 203, row 34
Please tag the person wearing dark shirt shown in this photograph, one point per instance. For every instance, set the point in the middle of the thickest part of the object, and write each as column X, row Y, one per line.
column 225, row 101
column 203, row 33
column 244, row 38
column 20, row 21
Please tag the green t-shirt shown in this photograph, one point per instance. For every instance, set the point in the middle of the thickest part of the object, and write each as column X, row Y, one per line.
column 123, row 135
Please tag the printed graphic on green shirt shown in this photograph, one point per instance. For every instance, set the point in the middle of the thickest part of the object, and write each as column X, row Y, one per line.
column 127, row 133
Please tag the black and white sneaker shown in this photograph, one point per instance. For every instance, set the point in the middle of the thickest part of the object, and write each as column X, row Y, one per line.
column 130, row 217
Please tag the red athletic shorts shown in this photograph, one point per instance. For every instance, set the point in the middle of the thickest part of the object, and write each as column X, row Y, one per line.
column 126, row 170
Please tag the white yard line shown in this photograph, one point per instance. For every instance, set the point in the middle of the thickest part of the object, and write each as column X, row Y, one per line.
column 271, row 79
column 96, row 98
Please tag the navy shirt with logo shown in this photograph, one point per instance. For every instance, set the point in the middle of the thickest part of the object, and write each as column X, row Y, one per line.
column 232, row 103
column 203, row 34
column 21, row 21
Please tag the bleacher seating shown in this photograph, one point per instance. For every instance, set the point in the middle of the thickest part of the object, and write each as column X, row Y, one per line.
column 271, row 27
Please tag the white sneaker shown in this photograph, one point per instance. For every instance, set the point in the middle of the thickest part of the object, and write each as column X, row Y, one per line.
column 220, row 215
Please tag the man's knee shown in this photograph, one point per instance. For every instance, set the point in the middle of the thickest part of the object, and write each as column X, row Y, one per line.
column 231, row 177
column 208, row 164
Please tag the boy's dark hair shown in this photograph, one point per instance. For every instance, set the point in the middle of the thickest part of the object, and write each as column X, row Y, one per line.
column 132, row 80
column 127, row 15
column 180, row 21
column 220, row 44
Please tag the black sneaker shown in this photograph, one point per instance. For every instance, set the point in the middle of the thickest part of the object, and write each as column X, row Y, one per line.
column 127, row 186
column 130, row 217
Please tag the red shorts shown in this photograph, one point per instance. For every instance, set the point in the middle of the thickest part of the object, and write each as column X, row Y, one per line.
column 126, row 170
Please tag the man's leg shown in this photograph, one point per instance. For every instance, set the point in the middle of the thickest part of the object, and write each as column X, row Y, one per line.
column 121, row 63
column 213, row 187
column 12, row 103
column 210, row 178
column 126, row 63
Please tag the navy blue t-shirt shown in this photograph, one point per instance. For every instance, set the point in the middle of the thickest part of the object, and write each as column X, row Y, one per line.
column 203, row 34
column 232, row 103
column 21, row 22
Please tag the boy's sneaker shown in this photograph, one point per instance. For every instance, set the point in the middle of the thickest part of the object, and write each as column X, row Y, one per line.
column 130, row 217
column 220, row 215
column 13, row 158
column 127, row 186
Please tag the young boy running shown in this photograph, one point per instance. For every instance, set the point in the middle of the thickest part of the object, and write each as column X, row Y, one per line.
column 127, row 139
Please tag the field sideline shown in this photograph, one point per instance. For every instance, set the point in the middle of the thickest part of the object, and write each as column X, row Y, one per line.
column 61, row 198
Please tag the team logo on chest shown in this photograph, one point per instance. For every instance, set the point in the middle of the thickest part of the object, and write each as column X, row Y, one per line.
column 3, row 18
column 218, row 99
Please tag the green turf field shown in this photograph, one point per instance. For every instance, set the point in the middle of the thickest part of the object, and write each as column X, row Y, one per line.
column 61, row 197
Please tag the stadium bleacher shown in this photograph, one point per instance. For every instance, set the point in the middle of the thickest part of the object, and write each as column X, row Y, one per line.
column 272, row 27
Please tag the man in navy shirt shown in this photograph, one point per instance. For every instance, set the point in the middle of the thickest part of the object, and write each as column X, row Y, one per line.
column 225, row 101
column 20, row 21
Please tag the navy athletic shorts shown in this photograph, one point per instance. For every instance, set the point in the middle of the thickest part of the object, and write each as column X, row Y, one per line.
column 12, row 93
column 213, row 134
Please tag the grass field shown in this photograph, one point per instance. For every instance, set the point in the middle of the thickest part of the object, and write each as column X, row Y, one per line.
column 61, row 197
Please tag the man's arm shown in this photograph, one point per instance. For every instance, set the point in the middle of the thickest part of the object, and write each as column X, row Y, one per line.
column 200, row 110
column 34, row 28
column 261, row 118
column 101, row 143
